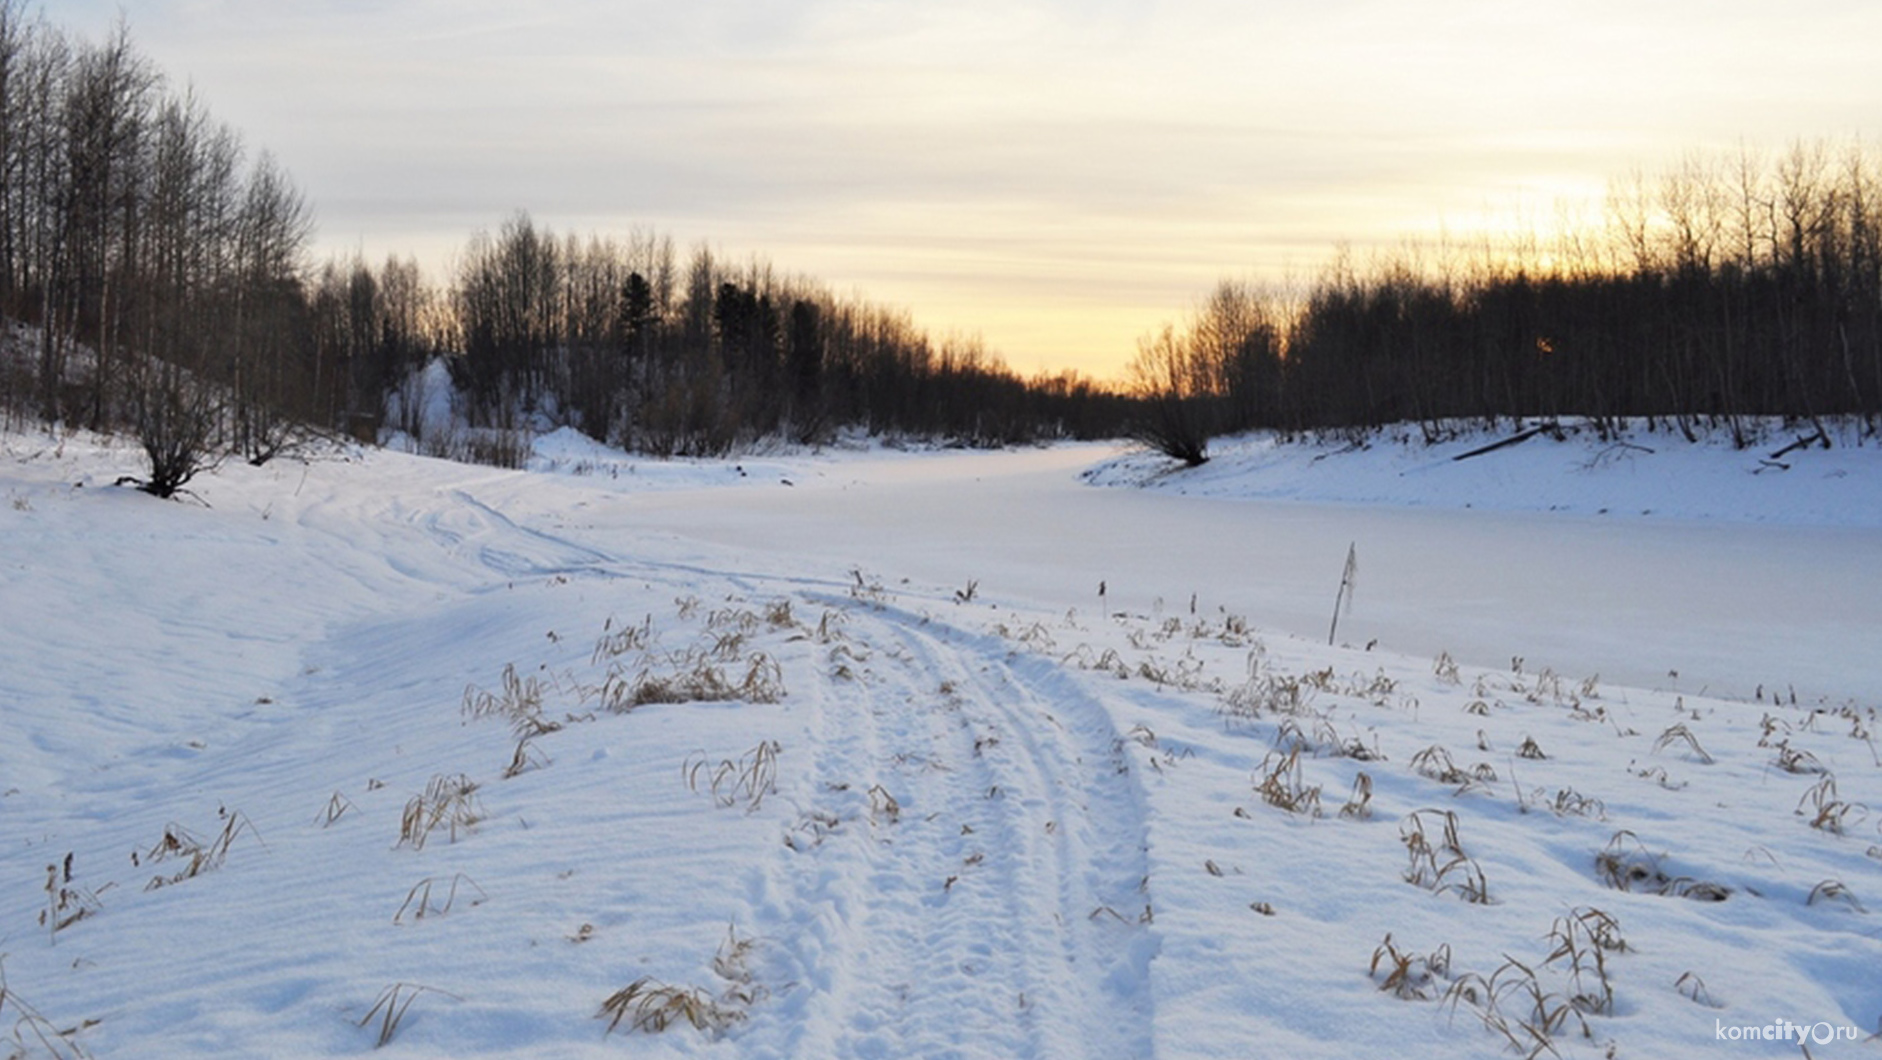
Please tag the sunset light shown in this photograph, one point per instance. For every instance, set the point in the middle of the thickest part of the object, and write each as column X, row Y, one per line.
column 1057, row 177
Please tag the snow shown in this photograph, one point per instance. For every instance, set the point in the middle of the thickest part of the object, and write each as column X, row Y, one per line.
column 1009, row 817
column 1641, row 474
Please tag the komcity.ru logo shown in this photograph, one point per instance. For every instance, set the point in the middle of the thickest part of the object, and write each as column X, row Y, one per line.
column 1785, row 1031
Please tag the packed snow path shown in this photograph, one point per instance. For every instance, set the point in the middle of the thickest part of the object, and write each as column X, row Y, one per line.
column 968, row 869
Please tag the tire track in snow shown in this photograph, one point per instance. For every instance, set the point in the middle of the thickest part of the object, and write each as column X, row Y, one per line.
column 998, row 910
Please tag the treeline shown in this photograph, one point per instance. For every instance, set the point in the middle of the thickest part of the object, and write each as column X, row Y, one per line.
column 162, row 274
column 1721, row 293
column 627, row 343
column 164, row 278
column 148, row 250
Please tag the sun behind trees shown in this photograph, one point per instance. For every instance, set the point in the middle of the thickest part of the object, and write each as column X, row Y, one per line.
column 1727, row 291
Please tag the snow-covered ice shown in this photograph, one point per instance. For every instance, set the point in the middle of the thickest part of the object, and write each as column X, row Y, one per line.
column 992, row 813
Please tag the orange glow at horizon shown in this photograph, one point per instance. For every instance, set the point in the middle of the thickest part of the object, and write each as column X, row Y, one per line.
column 1059, row 179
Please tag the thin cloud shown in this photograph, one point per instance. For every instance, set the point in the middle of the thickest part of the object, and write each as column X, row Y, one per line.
column 922, row 152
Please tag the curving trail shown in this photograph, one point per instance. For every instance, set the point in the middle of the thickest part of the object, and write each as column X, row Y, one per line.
column 968, row 872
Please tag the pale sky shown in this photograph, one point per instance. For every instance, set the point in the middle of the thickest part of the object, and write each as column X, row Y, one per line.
column 1059, row 177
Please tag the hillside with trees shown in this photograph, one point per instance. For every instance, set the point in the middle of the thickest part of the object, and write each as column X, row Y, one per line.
column 162, row 275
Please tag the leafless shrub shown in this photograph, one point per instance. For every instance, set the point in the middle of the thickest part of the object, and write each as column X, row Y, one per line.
column 493, row 447
column 1530, row 749
column 175, row 417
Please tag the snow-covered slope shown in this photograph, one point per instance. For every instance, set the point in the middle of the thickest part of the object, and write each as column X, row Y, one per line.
column 1650, row 474
column 933, row 795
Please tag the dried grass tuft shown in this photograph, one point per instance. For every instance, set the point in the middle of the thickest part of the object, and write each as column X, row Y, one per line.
column 747, row 780
column 1281, row 783
column 883, row 806
column 1571, row 803
column 449, row 803
column 1582, row 940
column 1408, row 976
column 518, row 700
column 1626, row 864
column 67, row 903
column 394, row 1001
column 1358, row 806
column 1681, row 734
column 200, row 857
column 524, row 759
column 337, row 806
column 1693, row 989
column 422, row 902
column 1834, row 891
column 32, row 1031
column 1792, row 760
column 651, row 1006
column 690, row 677
column 1437, row 859
column 1826, row 811
column 614, row 643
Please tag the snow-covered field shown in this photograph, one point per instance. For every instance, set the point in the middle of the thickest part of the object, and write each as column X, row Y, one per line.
column 379, row 747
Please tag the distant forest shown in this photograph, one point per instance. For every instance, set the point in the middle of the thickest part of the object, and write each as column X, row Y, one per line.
column 156, row 279
column 1720, row 296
